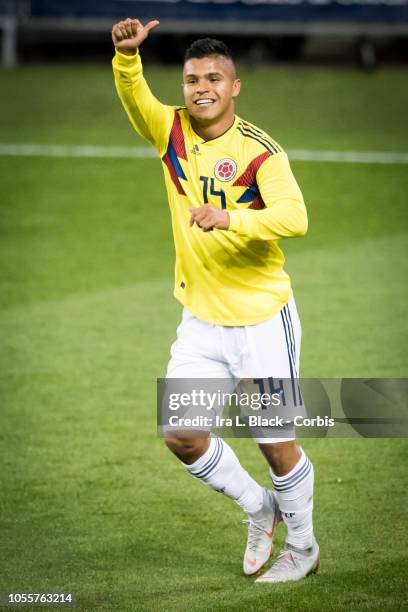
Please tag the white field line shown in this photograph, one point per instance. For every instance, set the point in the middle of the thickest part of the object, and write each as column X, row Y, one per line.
column 37, row 150
column 350, row 157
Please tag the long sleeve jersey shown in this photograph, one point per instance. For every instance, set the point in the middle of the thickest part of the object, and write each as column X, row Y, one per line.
column 231, row 277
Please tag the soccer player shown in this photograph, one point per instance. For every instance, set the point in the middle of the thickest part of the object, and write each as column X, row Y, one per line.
column 232, row 196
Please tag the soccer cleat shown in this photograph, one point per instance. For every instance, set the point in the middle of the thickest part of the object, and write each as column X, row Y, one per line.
column 292, row 564
column 260, row 534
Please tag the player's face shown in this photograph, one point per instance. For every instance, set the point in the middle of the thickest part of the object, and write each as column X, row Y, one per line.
column 210, row 86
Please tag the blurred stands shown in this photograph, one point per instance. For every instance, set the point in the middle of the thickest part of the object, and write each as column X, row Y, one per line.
column 8, row 29
column 255, row 29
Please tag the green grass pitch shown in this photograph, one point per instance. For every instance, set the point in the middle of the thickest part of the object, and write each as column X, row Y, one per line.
column 91, row 501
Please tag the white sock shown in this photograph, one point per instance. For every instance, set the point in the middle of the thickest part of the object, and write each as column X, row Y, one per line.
column 294, row 493
column 220, row 469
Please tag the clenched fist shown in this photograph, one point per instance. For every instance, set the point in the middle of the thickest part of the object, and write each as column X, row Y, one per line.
column 209, row 217
column 128, row 35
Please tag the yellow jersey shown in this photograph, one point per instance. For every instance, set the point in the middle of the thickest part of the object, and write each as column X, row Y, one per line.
column 231, row 277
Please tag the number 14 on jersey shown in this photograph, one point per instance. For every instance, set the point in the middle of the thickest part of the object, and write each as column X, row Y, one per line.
column 221, row 194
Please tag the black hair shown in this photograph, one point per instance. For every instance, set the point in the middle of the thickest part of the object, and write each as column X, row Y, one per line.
column 205, row 47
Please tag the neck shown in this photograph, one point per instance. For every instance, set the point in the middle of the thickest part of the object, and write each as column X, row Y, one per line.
column 213, row 130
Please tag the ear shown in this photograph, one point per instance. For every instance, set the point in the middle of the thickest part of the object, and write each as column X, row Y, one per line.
column 236, row 88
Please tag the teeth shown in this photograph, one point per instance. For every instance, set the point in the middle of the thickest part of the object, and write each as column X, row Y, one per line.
column 204, row 101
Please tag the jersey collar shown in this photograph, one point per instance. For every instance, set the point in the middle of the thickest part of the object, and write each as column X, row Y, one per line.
column 220, row 138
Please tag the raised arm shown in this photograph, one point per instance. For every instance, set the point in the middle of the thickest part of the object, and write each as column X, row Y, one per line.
column 151, row 118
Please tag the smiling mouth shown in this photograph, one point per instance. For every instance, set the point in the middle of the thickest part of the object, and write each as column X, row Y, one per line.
column 204, row 102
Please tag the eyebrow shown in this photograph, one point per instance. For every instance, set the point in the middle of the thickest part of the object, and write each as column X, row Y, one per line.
column 209, row 74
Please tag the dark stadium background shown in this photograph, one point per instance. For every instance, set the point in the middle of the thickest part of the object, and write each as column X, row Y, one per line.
column 365, row 32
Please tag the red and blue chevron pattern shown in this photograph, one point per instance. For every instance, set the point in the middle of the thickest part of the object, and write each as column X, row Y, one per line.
column 176, row 150
column 248, row 179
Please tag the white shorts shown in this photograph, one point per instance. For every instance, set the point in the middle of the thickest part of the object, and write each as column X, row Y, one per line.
column 268, row 349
